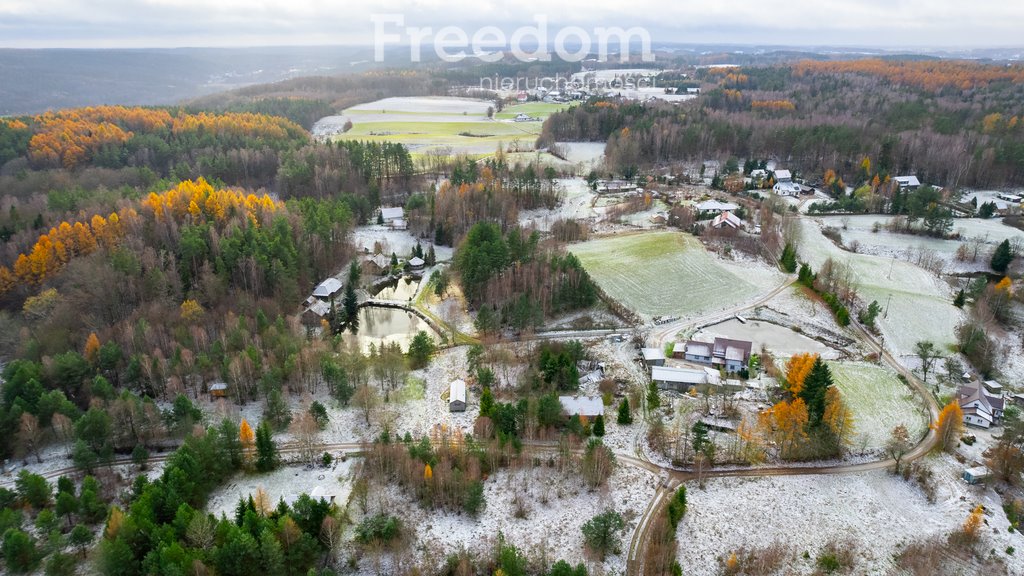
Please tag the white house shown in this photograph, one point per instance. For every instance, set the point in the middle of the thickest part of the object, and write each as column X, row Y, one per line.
column 979, row 407
column 786, row 188
column 908, row 182
column 457, row 396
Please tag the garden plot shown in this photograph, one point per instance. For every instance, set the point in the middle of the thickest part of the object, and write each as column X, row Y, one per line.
column 556, row 506
column 921, row 306
column 662, row 273
column 879, row 402
column 876, row 512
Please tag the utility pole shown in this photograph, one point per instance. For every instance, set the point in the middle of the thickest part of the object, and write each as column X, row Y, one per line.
column 891, row 263
column 886, row 315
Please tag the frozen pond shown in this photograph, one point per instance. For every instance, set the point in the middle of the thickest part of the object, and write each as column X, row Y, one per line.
column 780, row 340
column 379, row 325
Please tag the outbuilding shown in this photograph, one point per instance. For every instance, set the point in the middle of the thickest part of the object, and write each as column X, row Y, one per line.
column 457, row 396
column 589, row 406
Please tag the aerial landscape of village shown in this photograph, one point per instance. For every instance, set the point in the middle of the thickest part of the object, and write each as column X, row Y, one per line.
column 717, row 307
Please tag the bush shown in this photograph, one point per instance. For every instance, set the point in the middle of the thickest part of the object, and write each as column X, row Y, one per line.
column 379, row 528
column 474, row 502
column 601, row 533
column 677, row 507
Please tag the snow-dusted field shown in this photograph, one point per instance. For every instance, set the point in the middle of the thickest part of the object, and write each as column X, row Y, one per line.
column 401, row 242
column 440, row 105
column 906, row 246
column 877, row 512
column 557, row 506
column 921, row 306
column 879, row 402
column 662, row 273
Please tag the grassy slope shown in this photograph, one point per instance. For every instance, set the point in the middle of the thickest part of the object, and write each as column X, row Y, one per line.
column 879, row 402
column 921, row 308
column 662, row 273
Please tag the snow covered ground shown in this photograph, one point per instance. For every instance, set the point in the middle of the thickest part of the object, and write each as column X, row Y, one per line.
column 401, row 242
column 782, row 341
column 287, row 482
column 918, row 304
column 556, row 507
column 877, row 512
column 879, row 402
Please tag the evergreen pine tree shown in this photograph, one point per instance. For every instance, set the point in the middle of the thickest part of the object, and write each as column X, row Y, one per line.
column 625, row 416
column 266, row 449
column 599, row 426
column 816, row 386
column 1002, row 257
column 653, row 399
column 960, row 299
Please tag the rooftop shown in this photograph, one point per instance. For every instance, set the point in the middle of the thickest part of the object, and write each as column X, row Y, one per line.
column 327, row 288
column 582, row 405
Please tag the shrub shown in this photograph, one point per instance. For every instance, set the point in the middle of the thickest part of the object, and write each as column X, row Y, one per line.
column 601, row 533
column 378, row 528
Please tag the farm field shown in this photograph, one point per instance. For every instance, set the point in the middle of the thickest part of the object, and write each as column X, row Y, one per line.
column 662, row 273
column 874, row 515
column 902, row 246
column 921, row 306
column 879, row 402
column 460, row 125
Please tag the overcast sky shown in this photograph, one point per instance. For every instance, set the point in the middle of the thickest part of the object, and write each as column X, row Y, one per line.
column 177, row 23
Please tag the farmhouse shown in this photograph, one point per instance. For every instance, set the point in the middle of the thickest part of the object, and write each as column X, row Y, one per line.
column 589, row 406
column 327, row 289
column 728, row 220
column 457, row 396
column 316, row 311
column 732, row 355
column 678, row 379
column 786, row 188
column 653, row 356
column 908, row 182
column 980, row 408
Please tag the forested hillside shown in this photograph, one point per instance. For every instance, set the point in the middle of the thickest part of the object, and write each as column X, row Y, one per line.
column 952, row 123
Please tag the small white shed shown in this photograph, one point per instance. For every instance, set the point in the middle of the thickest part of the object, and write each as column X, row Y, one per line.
column 457, row 396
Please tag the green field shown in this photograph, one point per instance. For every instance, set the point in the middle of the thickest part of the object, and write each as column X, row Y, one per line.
column 535, row 109
column 425, row 125
column 662, row 273
column 879, row 402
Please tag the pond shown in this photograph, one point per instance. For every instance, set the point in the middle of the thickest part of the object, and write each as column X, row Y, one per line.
column 379, row 325
column 400, row 290
column 780, row 340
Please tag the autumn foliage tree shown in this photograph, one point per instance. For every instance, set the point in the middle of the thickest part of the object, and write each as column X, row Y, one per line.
column 949, row 425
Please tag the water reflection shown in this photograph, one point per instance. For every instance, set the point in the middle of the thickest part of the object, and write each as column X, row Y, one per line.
column 379, row 325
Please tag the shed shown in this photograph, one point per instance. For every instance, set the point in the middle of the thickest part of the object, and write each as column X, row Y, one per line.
column 218, row 390
column 390, row 214
column 994, row 387
column 908, row 182
column 589, row 406
column 457, row 396
column 678, row 379
column 653, row 356
column 416, row 263
column 976, row 475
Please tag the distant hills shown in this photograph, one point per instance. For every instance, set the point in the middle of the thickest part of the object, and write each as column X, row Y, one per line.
column 33, row 81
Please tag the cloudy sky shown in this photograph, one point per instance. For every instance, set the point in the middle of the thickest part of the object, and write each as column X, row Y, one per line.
column 177, row 23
